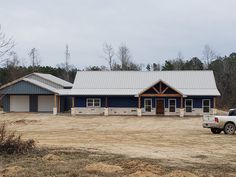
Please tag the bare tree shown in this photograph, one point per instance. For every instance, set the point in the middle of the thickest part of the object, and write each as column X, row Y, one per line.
column 125, row 60
column 34, row 58
column 6, row 45
column 67, row 63
column 124, row 57
column 109, row 54
column 208, row 55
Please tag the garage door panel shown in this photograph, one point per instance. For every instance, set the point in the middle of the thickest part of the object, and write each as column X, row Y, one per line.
column 45, row 103
column 19, row 103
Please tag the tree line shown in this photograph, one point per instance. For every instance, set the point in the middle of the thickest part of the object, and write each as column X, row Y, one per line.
column 11, row 66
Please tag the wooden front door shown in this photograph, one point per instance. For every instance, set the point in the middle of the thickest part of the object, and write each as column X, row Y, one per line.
column 160, row 107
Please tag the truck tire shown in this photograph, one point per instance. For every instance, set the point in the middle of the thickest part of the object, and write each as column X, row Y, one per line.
column 229, row 128
column 216, row 130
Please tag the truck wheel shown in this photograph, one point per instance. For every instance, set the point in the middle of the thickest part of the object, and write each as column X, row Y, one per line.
column 216, row 130
column 229, row 129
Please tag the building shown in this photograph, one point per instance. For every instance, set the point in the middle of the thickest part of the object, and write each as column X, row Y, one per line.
column 35, row 92
column 177, row 93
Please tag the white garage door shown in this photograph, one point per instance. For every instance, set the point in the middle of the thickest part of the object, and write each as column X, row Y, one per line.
column 19, row 103
column 45, row 103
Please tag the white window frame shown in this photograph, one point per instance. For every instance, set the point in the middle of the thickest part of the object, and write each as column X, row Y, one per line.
column 147, row 105
column 189, row 106
column 93, row 101
column 169, row 104
column 205, row 106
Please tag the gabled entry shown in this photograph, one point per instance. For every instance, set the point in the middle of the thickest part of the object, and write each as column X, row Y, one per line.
column 161, row 89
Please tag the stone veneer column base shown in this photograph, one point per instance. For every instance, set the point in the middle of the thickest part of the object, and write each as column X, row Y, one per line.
column 106, row 112
column 54, row 111
column 139, row 112
column 181, row 112
column 73, row 111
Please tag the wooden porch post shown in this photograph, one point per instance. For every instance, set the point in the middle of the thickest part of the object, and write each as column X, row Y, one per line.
column 139, row 102
column 181, row 103
column 73, row 102
column 214, row 99
column 55, row 105
column 181, row 107
column 59, row 103
column 55, row 100
column 139, row 110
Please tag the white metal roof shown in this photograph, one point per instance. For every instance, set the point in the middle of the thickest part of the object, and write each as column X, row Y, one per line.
column 48, row 77
column 195, row 83
column 54, row 79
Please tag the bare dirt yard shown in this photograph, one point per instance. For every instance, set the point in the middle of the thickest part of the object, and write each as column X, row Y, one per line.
column 121, row 146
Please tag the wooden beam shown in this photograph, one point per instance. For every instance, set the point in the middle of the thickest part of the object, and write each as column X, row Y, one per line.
column 214, row 99
column 160, row 87
column 139, row 102
column 165, row 90
column 161, row 95
column 181, row 102
column 55, row 101
column 59, row 103
column 155, row 90
column 73, row 102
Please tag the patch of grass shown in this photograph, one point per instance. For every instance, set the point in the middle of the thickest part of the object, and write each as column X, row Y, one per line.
column 10, row 143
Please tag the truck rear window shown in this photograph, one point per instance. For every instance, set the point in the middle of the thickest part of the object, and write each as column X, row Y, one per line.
column 232, row 113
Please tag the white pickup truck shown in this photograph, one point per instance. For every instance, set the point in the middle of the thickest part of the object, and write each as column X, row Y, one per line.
column 217, row 124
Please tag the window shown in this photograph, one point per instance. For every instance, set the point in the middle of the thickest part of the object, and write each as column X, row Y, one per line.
column 188, row 105
column 172, row 105
column 93, row 102
column 232, row 113
column 206, row 106
column 148, row 105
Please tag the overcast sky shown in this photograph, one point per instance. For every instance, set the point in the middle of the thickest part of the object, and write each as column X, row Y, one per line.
column 154, row 30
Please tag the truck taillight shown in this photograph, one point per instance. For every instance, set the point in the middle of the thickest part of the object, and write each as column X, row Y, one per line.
column 216, row 120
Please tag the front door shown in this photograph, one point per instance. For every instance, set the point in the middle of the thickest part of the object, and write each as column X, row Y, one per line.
column 160, row 107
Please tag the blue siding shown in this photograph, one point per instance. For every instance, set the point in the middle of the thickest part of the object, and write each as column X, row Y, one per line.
column 6, row 103
column 123, row 101
column 65, row 103
column 132, row 102
column 25, row 88
column 33, row 103
column 113, row 101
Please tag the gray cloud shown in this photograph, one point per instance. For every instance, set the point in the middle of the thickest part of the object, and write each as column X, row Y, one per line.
column 153, row 29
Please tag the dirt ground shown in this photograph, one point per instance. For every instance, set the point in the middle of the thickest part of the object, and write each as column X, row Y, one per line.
column 174, row 142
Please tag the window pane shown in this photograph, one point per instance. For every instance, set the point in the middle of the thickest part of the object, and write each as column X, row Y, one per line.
column 206, row 109
column 148, row 108
column 188, row 109
column 96, row 102
column 172, row 108
column 148, row 105
column 147, row 102
column 188, row 102
column 172, row 102
column 206, row 103
column 90, row 104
